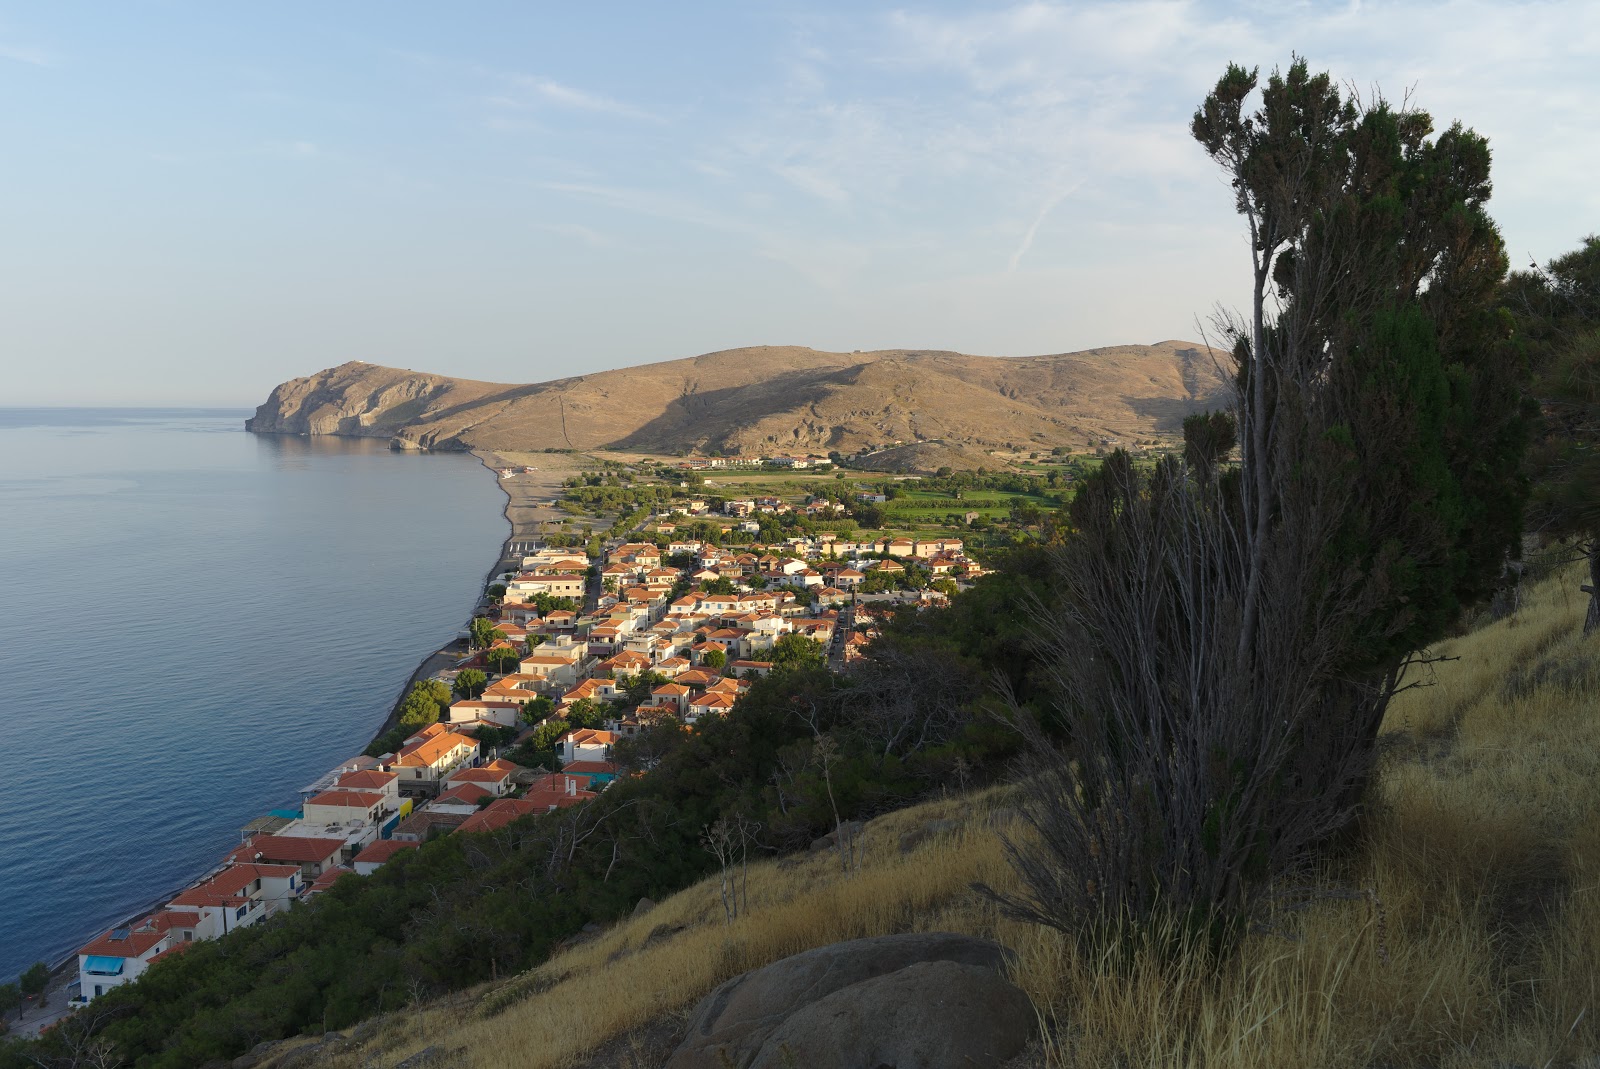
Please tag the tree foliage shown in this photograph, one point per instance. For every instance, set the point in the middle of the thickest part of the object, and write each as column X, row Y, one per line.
column 469, row 683
column 1230, row 635
column 1558, row 321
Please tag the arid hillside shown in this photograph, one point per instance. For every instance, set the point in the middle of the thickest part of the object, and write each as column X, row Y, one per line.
column 768, row 399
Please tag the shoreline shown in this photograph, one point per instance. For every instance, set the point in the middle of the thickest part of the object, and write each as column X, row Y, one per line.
column 64, row 970
column 426, row 667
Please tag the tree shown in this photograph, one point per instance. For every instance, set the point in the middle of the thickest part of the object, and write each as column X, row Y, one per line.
column 423, row 705
column 483, row 632
column 469, row 683
column 713, row 659
column 794, row 653
column 496, row 592
column 35, row 979
column 535, row 711
column 585, row 713
column 1558, row 321
column 503, row 658
column 10, row 998
column 1230, row 636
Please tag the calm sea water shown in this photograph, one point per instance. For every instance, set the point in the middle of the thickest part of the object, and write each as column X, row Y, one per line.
column 194, row 623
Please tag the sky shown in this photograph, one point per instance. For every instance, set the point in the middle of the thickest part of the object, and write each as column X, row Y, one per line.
column 201, row 200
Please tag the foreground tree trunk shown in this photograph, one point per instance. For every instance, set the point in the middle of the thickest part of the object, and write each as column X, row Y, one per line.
column 1591, row 622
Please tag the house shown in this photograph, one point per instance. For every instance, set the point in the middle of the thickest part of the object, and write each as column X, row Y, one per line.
column 123, row 954
column 344, row 807
column 501, row 812
column 328, row 879
column 495, row 777
column 462, row 799
column 374, row 780
column 849, row 578
column 746, row 668
column 901, row 547
column 673, row 694
column 429, row 756
column 424, row 824
column 556, row 791
column 238, row 896
column 526, row 587
column 711, row 702
column 375, row 856
column 314, row 856
column 587, row 744
column 591, row 774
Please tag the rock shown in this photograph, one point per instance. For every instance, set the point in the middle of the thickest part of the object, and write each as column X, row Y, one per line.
column 644, row 905
column 930, row 1015
column 730, row 1025
column 851, row 828
column 910, row 840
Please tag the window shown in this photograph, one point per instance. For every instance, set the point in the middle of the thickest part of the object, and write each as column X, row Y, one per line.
column 238, row 914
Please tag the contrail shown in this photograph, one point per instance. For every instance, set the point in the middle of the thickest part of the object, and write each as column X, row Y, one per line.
column 1049, row 206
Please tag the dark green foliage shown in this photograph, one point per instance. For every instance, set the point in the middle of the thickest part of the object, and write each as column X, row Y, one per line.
column 796, row 653
column 483, row 632
column 503, row 659
column 34, row 979
column 469, row 683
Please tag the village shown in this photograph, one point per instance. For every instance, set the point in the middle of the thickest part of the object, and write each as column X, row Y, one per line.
column 571, row 651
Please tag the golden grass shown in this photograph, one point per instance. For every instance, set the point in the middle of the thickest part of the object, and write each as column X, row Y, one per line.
column 1468, row 934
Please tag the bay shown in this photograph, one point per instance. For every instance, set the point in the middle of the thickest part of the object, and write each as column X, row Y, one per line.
column 194, row 623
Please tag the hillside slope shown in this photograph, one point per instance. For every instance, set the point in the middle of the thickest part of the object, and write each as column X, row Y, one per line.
column 766, row 399
column 1463, row 928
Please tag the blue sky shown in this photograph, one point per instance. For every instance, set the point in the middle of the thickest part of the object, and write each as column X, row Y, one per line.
column 201, row 200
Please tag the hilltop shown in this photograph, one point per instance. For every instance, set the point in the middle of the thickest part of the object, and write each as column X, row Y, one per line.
column 768, row 399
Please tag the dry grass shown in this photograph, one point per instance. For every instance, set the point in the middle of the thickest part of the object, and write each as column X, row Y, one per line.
column 1469, row 935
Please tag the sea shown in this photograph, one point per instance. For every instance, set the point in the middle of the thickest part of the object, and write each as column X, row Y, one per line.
column 195, row 622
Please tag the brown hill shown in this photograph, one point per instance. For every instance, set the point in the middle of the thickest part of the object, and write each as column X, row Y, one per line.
column 768, row 399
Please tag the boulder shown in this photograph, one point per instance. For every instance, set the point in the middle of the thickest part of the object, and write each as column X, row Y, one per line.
column 914, row 838
column 931, row 1015
column 851, row 829
column 729, row 1026
column 644, row 905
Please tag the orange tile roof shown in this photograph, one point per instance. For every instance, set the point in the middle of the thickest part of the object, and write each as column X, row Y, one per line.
column 287, row 848
column 371, row 779
column 142, row 935
column 463, row 793
column 382, row 850
column 500, row 813
column 348, row 799
column 224, row 888
column 171, row 951
column 326, row 880
column 589, row 768
column 590, row 736
column 486, row 774
column 431, row 751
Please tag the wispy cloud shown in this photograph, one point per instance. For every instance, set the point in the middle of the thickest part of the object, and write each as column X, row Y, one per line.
column 1045, row 209
column 548, row 89
column 31, row 55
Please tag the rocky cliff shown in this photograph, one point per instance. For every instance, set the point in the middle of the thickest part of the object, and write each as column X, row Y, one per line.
column 769, row 398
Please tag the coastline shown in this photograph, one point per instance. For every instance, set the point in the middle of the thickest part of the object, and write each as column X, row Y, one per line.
column 64, row 969
column 441, row 658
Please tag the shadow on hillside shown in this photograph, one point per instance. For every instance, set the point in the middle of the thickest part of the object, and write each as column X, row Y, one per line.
column 709, row 416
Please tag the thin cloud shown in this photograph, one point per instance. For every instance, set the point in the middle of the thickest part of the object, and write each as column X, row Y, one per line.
column 32, row 56
column 1044, row 210
column 551, row 91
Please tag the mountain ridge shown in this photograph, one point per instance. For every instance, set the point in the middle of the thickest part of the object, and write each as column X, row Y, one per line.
column 766, row 399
